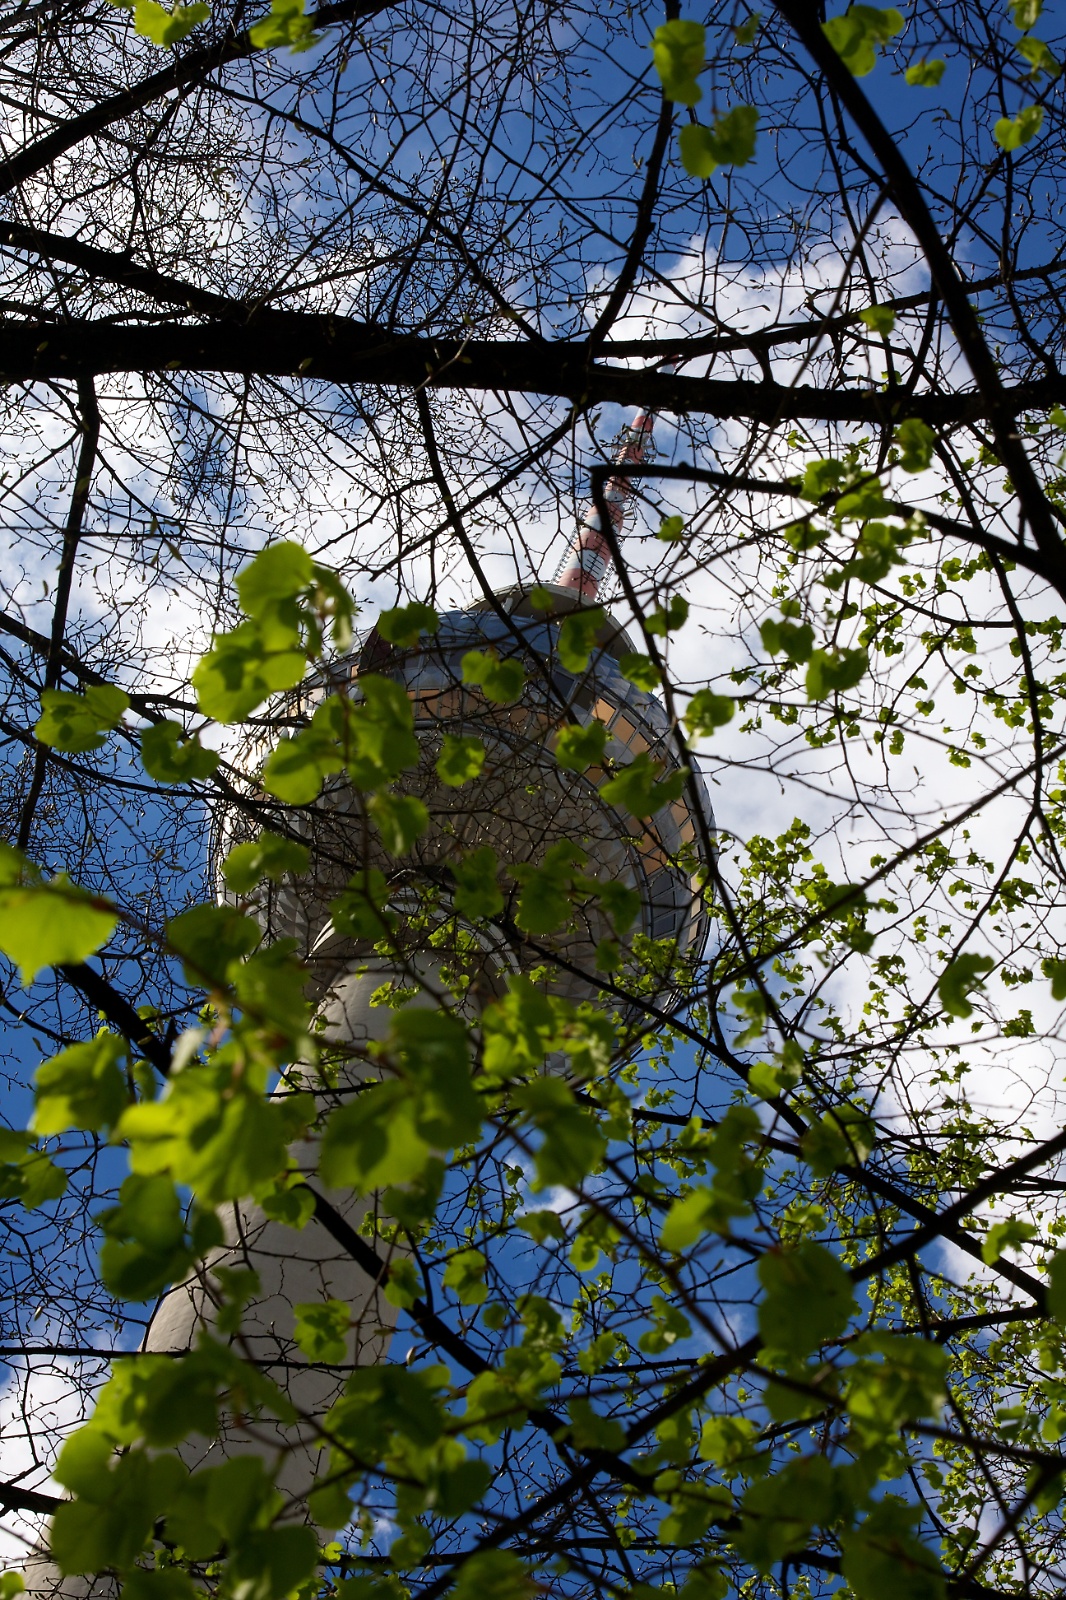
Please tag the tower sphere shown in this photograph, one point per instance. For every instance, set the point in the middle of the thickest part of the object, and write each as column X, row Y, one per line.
column 521, row 804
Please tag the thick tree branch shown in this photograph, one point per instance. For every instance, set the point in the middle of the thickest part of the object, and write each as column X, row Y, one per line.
column 338, row 350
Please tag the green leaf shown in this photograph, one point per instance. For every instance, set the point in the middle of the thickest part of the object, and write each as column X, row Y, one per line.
column 145, row 1246
column 907, row 1382
column 246, row 667
column 46, row 922
column 432, row 1051
column 808, row 1299
column 791, row 639
column 822, row 477
column 170, row 755
column 403, row 1285
column 578, row 747
column 882, row 1560
column 501, row 682
column 545, row 1225
column 703, row 1211
column 465, row 1273
column 671, row 529
column 731, row 142
column 404, row 625
column 958, row 979
column 834, row 671
column 82, row 1087
column 678, row 49
column 640, row 671
column 26, row 1174
column 286, row 25
column 865, row 500
column 361, row 910
column 296, row 768
column 461, row 759
column 271, row 1563
column 78, row 722
column 278, row 573
column 744, row 32
column 1056, row 972
column 925, row 74
column 591, row 1430
column 577, row 637
column 669, row 618
column 373, row 1140
column 212, row 940
column 1004, row 1235
column 879, row 319
column 402, row 819
column 707, row 711
column 322, row 1329
column 477, row 893
column 270, row 856
column 640, row 788
column 1026, row 13
column 167, row 27
column 494, row 1575
column 779, row 1511
column 860, row 33
column 1056, row 1287
column 1040, row 58
column 844, row 1136
column 1010, row 133
column 545, row 903
column 573, row 1143
column 917, row 442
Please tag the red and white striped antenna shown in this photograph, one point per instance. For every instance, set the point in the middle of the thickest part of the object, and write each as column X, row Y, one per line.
column 586, row 563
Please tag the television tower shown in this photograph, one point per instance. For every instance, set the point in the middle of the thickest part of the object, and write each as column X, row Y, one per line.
column 521, row 803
